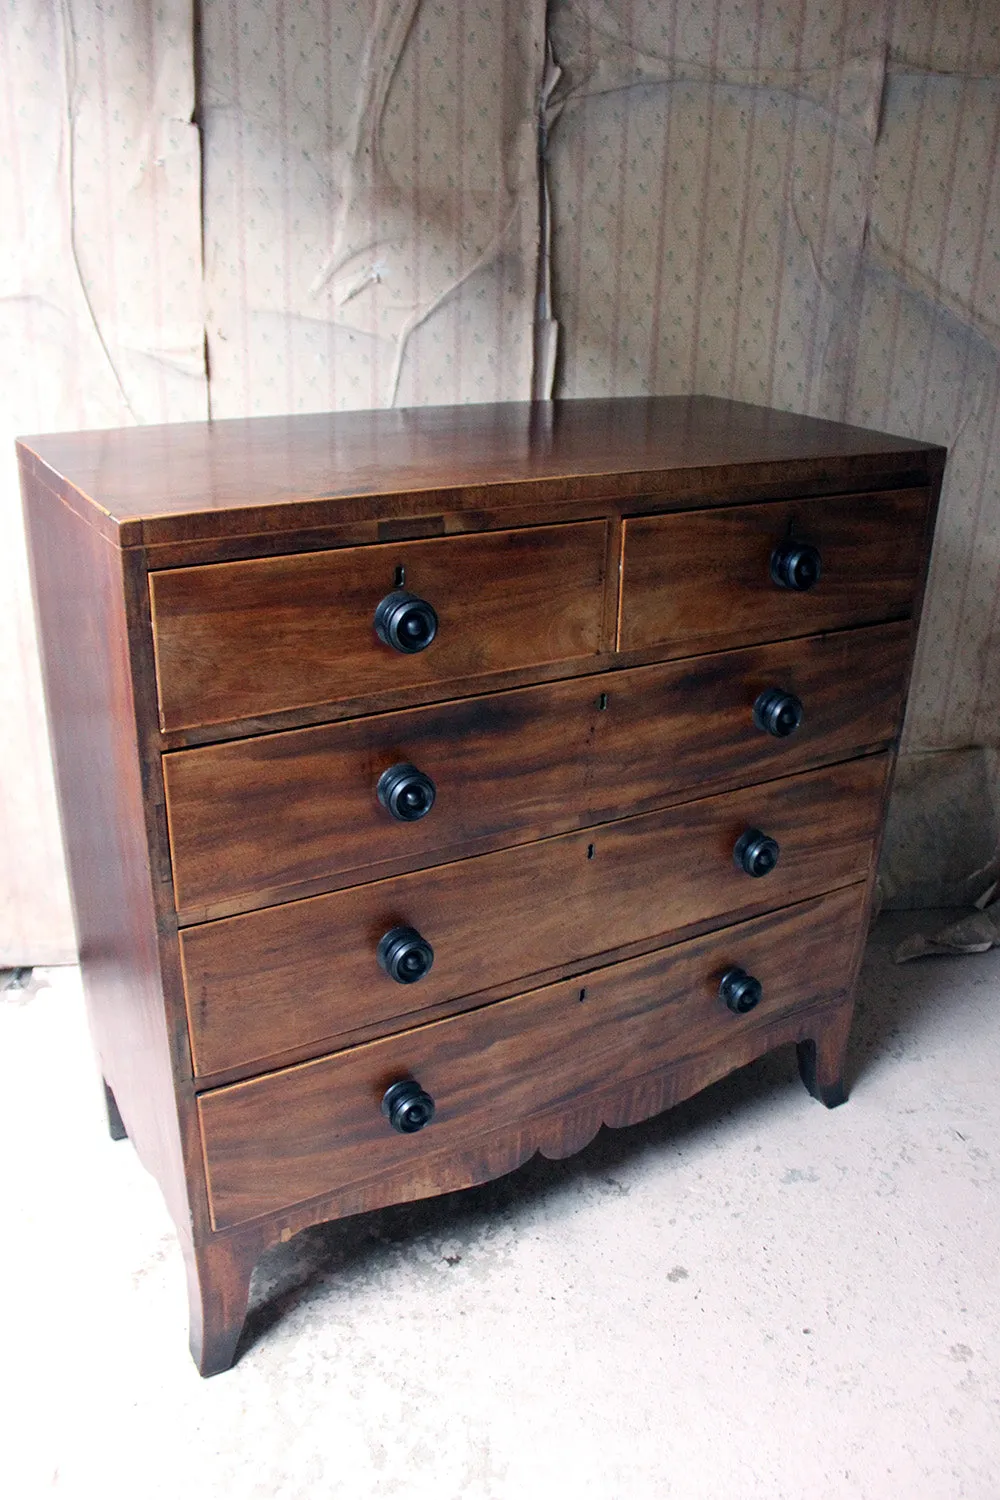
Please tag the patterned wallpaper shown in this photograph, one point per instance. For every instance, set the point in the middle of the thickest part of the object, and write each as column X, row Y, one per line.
column 787, row 201
column 101, row 323
column 799, row 204
column 371, row 192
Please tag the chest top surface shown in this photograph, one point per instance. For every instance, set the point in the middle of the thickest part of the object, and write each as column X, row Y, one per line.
column 196, row 481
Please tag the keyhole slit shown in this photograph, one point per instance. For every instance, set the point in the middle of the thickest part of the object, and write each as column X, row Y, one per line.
column 400, row 576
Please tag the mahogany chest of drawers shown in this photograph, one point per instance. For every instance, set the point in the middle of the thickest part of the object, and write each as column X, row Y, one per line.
column 438, row 785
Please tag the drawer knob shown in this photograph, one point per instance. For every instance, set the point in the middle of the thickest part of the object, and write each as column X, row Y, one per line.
column 405, row 955
column 777, row 712
column 740, row 990
column 406, row 793
column 796, row 565
column 407, row 1107
column 405, row 623
column 756, row 853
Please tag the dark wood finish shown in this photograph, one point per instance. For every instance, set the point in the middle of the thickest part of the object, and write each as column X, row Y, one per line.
column 218, row 1276
column 307, row 971
column 116, row 1125
column 218, row 1335
column 275, row 633
column 701, row 580
column 153, row 485
column 276, row 816
column 292, row 1135
column 395, row 702
column 80, row 598
column 821, row 1065
column 560, row 1133
column 523, row 764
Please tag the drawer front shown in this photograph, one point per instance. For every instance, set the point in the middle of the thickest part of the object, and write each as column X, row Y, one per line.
column 307, row 1130
column 298, row 974
column 236, row 640
column 702, row 580
column 253, row 819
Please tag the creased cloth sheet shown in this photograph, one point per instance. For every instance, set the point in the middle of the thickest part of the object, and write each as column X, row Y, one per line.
column 977, row 932
column 371, row 202
column 101, row 325
column 799, row 205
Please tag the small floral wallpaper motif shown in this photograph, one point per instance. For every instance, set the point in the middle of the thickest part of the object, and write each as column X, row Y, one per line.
column 371, row 198
column 799, row 205
column 101, row 324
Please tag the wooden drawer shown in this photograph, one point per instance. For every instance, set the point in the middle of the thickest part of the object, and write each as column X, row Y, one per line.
column 700, row 580
column 290, row 976
column 260, row 819
column 304, row 1131
column 236, row 640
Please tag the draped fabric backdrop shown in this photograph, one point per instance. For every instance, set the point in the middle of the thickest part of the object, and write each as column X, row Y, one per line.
column 257, row 206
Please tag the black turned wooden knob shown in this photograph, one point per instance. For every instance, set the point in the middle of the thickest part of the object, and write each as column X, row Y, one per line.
column 777, row 712
column 405, row 792
column 740, row 990
column 756, row 853
column 405, row 623
column 405, row 955
column 407, row 1107
column 796, row 565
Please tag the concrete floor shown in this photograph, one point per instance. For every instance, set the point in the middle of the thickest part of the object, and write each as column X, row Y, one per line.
column 745, row 1297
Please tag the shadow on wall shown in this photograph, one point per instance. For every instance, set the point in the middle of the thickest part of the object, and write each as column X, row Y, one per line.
column 943, row 826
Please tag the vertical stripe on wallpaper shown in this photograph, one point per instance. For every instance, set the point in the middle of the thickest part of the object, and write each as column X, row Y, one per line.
column 662, row 224
column 618, row 255
column 795, row 184
column 781, row 269
column 696, row 364
column 499, row 324
column 237, row 168
column 102, row 326
column 744, row 214
column 823, row 247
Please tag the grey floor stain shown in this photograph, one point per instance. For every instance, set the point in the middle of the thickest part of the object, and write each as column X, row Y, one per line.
column 795, row 1174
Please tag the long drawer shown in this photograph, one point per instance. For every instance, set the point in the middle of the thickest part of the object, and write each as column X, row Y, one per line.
column 293, row 975
column 702, row 580
column 236, row 640
column 295, row 1134
column 253, row 820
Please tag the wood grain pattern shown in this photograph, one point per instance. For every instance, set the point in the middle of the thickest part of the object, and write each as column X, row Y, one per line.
column 274, row 633
column 151, row 485
column 700, row 580
column 80, row 594
column 219, row 1268
column 304, row 972
column 218, row 1277
column 295, row 1134
column 260, row 820
column 527, row 875
column 559, row 1133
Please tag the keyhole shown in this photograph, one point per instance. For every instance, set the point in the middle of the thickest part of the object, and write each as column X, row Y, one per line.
column 602, row 702
column 583, row 996
column 400, row 576
column 590, row 851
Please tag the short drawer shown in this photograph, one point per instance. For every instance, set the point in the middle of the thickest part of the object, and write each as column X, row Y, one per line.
column 304, row 1131
column 236, row 640
column 258, row 820
column 295, row 975
column 702, row 580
